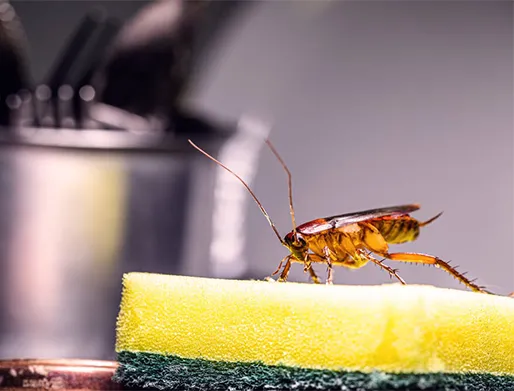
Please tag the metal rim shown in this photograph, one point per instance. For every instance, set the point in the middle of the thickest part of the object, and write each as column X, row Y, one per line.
column 68, row 363
column 101, row 140
column 64, row 374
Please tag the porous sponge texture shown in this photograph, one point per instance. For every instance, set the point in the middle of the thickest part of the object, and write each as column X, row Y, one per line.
column 152, row 371
column 390, row 328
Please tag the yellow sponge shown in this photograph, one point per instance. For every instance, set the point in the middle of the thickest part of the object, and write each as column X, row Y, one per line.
column 390, row 328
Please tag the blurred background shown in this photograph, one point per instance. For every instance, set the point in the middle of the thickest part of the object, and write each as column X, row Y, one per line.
column 370, row 104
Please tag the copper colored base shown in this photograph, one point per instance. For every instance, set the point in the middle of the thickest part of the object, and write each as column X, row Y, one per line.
column 39, row 375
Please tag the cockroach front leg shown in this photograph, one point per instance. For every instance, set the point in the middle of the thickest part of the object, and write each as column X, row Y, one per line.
column 285, row 271
column 431, row 260
column 280, row 265
column 270, row 278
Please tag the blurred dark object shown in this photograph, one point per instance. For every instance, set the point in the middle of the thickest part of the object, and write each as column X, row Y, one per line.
column 36, row 375
column 13, row 66
column 75, row 67
column 151, row 62
column 131, row 77
column 83, row 51
column 148, row 66
column 97, row 178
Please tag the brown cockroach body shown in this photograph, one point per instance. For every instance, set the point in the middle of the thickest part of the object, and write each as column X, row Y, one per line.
column 352, row 239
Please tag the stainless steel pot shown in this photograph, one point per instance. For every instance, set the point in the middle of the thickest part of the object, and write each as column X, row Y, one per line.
column 80, row 208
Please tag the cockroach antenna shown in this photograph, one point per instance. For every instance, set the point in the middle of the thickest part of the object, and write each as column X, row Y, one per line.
column 247, row 188
column 289, row 183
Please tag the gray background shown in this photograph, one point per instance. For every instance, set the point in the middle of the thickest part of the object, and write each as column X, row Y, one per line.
column 375, row 104
column 372, row 104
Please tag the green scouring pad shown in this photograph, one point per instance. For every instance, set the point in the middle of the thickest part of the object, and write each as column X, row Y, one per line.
column 188, row 333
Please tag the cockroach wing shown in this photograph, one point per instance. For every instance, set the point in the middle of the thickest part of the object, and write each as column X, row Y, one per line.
column 327, row 223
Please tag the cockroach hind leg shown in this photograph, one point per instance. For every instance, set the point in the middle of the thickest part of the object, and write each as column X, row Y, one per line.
column 380, row 263
column 437, row 262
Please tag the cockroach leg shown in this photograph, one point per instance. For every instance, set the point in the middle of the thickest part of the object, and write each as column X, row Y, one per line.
column 314, row 277
column 310, row 258
column 437, row 262
column 330, row 269
column 330, row 276
column 285, row 271
column 330, row 273
column 280, row 265
column 307, row 263
column 392, row 272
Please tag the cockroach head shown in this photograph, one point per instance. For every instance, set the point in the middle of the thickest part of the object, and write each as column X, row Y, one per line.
column 295, row 241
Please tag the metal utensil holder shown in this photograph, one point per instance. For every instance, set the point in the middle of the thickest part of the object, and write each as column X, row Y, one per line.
column 79, row 209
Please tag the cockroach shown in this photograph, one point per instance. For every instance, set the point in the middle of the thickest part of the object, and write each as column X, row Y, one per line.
column 351, row 240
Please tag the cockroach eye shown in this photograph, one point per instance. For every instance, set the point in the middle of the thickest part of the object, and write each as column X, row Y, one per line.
column 300, row 241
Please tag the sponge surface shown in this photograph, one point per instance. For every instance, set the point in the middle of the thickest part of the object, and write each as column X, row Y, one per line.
column 391, row 328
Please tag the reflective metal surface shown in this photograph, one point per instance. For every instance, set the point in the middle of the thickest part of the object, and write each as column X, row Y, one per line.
column 74, row 219
column 97, row 177
column 35, row 375
column 80, row 208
